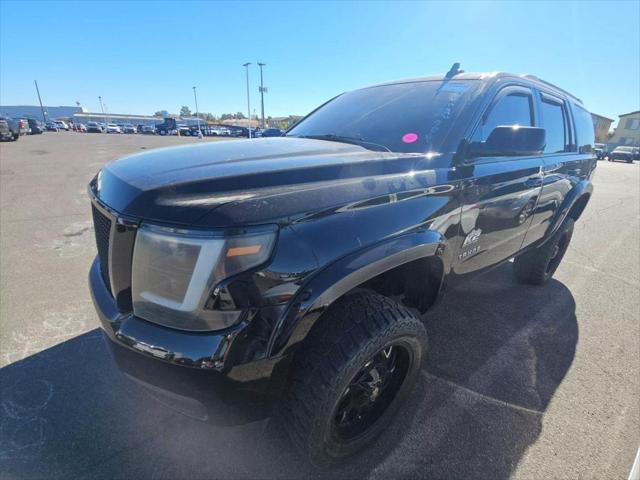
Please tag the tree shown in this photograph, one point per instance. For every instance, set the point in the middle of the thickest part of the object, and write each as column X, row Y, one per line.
column 185, row 111
column 239, row 116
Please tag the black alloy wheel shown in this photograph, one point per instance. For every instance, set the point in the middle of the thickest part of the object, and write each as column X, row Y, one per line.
column 370, row 392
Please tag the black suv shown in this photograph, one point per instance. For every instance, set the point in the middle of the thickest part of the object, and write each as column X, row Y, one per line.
column 296, row 268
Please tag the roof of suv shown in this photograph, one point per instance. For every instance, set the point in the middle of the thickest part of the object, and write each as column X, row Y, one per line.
column 486, row 76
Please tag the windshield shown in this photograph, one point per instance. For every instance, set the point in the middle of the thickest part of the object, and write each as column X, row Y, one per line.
column 405, row 117
column 625, row 149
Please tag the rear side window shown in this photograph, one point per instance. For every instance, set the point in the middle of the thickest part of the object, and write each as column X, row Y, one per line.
column 512, row 109
column 584, row 129
column 555, row 123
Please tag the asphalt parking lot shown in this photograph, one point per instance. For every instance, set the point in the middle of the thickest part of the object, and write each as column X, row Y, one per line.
column 521, row 382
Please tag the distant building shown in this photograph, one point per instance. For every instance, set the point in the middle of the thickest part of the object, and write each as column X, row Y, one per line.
column 601, row 126
column 84, row 117
column 285, row 123
column 628, row 130
column 241, row 122
column 34, row 111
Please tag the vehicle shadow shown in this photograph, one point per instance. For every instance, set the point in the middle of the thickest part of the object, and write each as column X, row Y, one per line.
column 497, row 353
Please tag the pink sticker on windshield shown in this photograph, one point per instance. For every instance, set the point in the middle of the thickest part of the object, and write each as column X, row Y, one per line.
column 409, row 137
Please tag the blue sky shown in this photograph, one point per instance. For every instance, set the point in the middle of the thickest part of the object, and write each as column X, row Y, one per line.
column 142, row 57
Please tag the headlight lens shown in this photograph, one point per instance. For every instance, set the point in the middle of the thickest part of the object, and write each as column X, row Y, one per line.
column 174, row 272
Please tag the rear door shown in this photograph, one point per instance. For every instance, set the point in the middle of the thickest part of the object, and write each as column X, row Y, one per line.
column 499, row 193
column 568, row 157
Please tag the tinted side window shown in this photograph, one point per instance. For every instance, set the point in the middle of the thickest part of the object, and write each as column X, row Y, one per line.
column 555, row 125
column 512, row 109
column 584, row 129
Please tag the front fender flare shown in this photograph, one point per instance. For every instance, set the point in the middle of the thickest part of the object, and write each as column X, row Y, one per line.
column 343, row 275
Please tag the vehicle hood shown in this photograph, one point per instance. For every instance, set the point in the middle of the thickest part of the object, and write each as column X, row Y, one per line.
column 231, row 183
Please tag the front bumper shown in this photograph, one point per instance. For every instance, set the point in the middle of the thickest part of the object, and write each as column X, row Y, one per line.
column 200, row 365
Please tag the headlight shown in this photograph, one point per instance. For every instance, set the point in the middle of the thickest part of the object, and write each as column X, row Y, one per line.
column 175, row 270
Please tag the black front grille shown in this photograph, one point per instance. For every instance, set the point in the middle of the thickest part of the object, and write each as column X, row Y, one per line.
column 102, row 227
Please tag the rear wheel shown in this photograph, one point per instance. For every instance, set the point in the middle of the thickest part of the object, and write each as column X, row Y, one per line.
column 537, row 266
column 15, row 137
column 355, row 372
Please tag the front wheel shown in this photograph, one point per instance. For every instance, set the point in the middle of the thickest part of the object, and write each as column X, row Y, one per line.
column 357, row 368
column 537, row 266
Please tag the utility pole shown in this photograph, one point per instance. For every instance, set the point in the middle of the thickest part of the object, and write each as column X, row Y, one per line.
column 195, row 97
column 246, row 67
column 103, row 115
column 263, row 90
column 44, row 116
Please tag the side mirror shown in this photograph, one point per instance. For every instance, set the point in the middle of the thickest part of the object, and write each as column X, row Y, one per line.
column 512, row 141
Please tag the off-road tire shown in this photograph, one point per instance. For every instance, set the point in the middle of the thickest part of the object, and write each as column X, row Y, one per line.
column 537, row 266
column 352, row 331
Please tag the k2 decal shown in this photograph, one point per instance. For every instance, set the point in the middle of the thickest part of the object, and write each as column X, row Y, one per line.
column 473, row 237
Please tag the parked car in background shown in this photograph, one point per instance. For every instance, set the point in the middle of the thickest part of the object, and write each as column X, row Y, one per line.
column 236, row 131
column 272, row 132
column 623, row 153
column 167, row 127
column 216, row 131
column 35, row 126
column 80, row 127
column 148, row 130
column 5, row 131
column 113, row 128
column 14, row 127
column 94, row 127
column 128, row 128
column 139, row 128
column 23, row 125
column 195, row 131
column 600, row 149
column 184, row 130
column 51, row 127
column 62, row 125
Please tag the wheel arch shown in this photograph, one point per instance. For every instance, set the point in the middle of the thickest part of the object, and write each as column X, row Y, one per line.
column 418, row 252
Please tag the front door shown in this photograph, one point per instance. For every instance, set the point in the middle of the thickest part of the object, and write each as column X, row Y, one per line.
column 499, row 194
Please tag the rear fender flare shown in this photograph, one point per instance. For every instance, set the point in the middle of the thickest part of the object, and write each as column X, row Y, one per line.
column 582, row 188
column 345, row 274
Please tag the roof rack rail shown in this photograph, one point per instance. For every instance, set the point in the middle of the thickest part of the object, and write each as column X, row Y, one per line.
column 538, row 79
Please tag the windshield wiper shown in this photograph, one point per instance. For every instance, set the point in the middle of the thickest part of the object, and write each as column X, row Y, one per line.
column 332, row 137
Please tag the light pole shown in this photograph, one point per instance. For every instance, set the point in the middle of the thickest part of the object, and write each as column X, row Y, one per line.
column 103, row 115
column 44, row 115
column 195, row 97
column 263, row 90
column 246, row 67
